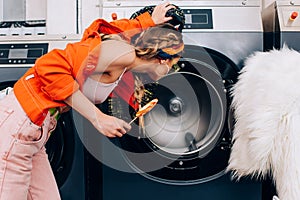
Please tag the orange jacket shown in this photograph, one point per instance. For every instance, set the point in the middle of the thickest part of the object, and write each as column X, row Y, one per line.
column 58, row 74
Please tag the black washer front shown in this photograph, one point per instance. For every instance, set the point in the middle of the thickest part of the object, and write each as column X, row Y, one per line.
column 202, row 68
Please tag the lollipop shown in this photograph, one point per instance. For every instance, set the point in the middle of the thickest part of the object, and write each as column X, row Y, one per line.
column 146, row 108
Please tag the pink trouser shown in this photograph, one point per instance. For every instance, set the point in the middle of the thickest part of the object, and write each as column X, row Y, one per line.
column 25, row 172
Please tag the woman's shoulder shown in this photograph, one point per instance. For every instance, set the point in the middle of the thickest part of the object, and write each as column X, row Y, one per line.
column 117, row 52
column 114, row 54
column 118, row 45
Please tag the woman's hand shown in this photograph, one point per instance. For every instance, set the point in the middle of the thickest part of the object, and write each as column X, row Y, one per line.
column 110, row 126
column 159, row 13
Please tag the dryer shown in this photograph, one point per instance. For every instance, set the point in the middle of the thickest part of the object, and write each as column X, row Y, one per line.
column 184, row 149
column 65, row 150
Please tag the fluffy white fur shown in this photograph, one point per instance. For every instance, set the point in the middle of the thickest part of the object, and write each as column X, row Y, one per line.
column 266, row 102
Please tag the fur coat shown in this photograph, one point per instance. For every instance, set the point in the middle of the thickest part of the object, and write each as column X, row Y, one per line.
column 266, row 135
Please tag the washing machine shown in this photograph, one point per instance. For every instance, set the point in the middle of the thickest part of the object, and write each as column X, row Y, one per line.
column 181, row 150
column 64, row 147
column 281, row 25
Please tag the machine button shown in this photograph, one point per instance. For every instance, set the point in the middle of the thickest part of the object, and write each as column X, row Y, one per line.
column 114, row 16
column 294, row 15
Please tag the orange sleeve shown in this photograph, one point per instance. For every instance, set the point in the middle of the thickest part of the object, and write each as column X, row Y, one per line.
column 117, row 26
column 56, row 72
column 142, row 21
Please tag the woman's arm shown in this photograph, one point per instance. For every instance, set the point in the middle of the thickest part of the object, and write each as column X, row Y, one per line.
column 108, row 125
column 55, row 71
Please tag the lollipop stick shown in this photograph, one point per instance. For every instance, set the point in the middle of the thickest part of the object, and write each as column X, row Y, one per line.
column 132, row 120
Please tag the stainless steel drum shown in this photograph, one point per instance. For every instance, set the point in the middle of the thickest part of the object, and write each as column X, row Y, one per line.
column 190, row 114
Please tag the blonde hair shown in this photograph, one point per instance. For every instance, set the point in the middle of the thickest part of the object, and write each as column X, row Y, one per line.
column 149, row 43
column 110, row 37
column 154, row 41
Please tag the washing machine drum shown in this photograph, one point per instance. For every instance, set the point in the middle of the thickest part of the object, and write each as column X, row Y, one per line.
column 186, row 136
column 189, row 117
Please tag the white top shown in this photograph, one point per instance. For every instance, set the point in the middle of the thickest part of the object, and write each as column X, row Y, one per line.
column 98, row 92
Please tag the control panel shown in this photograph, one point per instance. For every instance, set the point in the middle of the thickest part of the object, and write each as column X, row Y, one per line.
column 198, row 18
column 195, row 18
column 200, row 15
column 19, row 53
column 23, row 51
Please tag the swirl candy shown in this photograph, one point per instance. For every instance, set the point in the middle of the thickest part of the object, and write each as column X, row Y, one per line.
column 145, row 109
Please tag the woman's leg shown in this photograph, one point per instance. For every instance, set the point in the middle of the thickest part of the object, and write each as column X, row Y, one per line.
column 42, row 182
column 20, row 140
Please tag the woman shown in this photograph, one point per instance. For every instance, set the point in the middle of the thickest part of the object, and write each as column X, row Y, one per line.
column 153, row 51
column 62, row 78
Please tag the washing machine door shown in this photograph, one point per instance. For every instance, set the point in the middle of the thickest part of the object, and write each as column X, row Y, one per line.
column 193, row 104
column 186, row 137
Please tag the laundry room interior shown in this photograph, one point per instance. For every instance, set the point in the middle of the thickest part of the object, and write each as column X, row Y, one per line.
column 221, row 129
